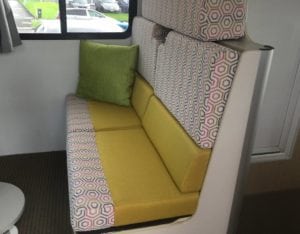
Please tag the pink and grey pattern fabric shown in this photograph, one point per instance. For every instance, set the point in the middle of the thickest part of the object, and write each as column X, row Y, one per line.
column 78, row 117
column 193, row 80
column 206, row 20
column 91, row 204
column 148, row 36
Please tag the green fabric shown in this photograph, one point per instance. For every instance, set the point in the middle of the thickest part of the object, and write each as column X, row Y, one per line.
column 107, row 72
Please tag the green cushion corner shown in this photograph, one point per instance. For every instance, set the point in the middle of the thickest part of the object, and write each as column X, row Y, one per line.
column 107, row 72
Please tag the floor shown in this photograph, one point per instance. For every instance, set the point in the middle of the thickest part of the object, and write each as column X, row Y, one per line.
column 43, row 179
column 271, row 213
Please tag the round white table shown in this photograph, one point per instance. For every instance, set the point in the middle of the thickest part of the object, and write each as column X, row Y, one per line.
column 12, row 203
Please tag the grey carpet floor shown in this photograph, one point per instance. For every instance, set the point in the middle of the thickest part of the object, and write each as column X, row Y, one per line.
column 43, row 179
column 271, row 213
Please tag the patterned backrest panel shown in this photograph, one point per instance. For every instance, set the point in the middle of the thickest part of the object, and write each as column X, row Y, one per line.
column 148, row 36
column 206, row 20
column 193, row 80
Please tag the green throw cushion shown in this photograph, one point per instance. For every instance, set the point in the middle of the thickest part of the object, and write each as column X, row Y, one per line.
column 107, row 72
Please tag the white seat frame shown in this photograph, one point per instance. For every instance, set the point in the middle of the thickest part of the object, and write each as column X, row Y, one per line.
column 222, row 192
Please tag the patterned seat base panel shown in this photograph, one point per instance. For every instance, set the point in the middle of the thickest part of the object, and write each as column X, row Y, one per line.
column 78, row 117
column 91, row 205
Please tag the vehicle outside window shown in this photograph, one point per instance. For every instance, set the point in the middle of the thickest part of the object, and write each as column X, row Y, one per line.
column 87, row 20
column 84, row 12
column 93, row 13
column 81, row 4
column 79, row 16
column 124, row 5
column 107, row 6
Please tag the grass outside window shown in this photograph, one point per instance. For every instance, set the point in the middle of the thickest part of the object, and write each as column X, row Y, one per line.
column 118, row 16
column 49, row 9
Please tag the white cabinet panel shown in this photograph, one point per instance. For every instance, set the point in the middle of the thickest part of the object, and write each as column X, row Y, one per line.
column 277, row 23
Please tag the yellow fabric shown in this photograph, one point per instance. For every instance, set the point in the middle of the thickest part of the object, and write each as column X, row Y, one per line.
column 141, row 188
column 186, row 162
column 106, row 116
column 142, row 92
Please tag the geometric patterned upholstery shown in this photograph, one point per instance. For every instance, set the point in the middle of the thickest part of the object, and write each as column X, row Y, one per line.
column 193, row 80
column 91, row 205
column 148, row 36
column 206, row 20
column 78, row 117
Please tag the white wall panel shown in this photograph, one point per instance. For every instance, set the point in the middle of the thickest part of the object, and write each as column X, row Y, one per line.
column 276, row 23
column 34, row 81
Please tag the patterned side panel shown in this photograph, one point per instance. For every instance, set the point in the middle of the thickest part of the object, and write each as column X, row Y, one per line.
column 223, row 67
column 91, row 205
column 206, row 20
column 193, row 80
column 78, row 118
column 148, row 36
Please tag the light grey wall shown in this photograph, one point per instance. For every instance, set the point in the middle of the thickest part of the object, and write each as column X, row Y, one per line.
column 34, row 81
column 276, row 22
column 139, row 9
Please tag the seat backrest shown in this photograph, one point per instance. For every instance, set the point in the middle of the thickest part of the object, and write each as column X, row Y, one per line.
column 205, row 20
column 148, row 36
column 191, row 78
column 183, row 158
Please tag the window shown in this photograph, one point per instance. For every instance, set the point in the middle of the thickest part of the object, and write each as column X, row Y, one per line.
column 73, row 19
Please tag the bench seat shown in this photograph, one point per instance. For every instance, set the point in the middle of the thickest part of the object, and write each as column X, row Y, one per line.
column 137, row 178
column 130, row 165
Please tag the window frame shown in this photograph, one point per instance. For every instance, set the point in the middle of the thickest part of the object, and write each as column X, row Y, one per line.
column 64, row 35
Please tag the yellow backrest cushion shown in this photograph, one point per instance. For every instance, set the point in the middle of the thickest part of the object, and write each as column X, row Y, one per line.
column 185, row 161
column 142, row 92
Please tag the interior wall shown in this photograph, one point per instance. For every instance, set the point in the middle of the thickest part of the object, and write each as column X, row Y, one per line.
column 276, row 23
column 275, row 131
column 34, row 81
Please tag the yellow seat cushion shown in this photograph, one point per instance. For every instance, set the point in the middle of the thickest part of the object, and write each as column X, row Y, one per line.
column 106, row 116
column 142, row 92
column 141, row 187
column 185, row 160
